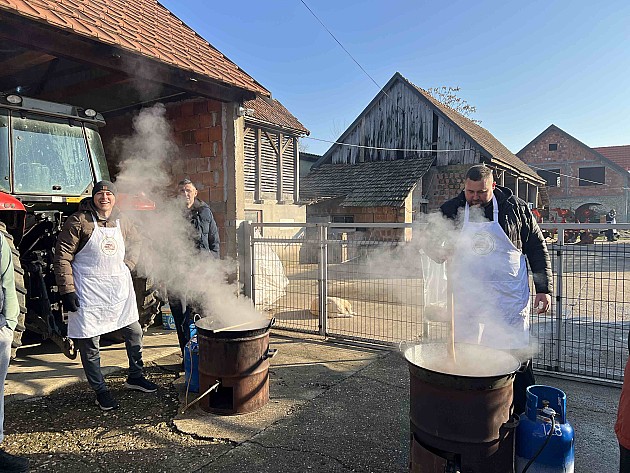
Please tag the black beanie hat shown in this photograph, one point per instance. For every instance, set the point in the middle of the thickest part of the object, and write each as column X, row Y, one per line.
column 104, row 186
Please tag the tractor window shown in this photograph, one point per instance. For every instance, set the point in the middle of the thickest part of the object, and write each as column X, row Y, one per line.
column 49, row 156
column 97, row 152
column 4, row 152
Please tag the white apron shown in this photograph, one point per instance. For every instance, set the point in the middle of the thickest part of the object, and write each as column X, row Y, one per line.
column 103, row 284
column 490, row 286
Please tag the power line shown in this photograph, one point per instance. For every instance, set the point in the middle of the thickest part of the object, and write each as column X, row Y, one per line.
column 341, row 45
column 389, row 149
column 573, row 177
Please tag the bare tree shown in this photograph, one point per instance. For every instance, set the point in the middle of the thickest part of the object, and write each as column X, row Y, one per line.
column 303, row 146
column 449, row 97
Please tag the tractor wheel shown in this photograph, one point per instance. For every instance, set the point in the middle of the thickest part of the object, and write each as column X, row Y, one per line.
column 19, row 287
column 149, row 300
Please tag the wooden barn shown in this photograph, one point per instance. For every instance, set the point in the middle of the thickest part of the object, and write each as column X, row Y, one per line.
column 404, row 124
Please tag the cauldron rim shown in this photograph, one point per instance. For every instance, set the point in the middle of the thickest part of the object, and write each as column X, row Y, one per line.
column 261, row 328
column 462, row 381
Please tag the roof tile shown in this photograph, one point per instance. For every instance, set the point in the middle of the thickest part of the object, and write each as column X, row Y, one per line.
column 142, row 26
column 369, row 184
column 273, row 112
column 480, row 135
column 617, row 154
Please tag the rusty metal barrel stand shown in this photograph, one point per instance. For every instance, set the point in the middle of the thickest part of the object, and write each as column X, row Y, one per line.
column 239, row 361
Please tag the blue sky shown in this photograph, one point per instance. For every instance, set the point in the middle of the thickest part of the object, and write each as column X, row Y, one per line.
column 524, row 65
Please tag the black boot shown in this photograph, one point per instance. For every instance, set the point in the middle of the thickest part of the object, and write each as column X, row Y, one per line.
column 12, row 463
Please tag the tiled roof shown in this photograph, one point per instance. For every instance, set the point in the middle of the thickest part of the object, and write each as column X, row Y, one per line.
column 479, row 134
column 617, row 154
column 310, row 157
column 141, row 26
column 371, row 184
column 273, row 112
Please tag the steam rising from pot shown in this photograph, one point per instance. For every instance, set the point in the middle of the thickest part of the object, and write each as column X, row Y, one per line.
column 168, row 254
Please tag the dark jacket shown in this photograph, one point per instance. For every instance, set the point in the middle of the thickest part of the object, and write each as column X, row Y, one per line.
column 207, row 235
column 77, row 231
column 519, row 224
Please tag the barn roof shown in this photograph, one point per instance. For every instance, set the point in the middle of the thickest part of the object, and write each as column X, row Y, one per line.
column 144, row 27
column 495, row 151
column 480, row 135
column 272, row 112
column 368, row 184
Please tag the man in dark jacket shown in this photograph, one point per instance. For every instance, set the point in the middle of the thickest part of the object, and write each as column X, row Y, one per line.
column 205, row 239
column 488, row 269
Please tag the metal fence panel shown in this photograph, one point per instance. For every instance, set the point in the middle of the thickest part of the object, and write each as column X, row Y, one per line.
column 366, row 283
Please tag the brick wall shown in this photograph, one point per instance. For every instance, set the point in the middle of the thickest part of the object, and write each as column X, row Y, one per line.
column 364, row 215
column 443, row 183
column 198, row 134
column 570, row 156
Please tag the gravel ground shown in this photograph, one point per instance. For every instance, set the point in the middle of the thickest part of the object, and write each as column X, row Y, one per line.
column 66, row 431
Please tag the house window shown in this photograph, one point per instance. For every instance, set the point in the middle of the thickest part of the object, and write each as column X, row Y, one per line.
column 551, row 176
column 342, row 219
column 595, row 176
column 553, row 146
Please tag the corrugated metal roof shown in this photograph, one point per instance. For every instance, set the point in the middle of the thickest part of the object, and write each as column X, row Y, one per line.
column 371, row 184
column 141, row 26
column 273, row 112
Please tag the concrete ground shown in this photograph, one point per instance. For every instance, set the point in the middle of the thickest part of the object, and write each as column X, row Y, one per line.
column 333, row 408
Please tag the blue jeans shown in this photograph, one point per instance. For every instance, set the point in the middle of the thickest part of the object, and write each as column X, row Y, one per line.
column 6, row 338
column 89, row 349
column 181, row 315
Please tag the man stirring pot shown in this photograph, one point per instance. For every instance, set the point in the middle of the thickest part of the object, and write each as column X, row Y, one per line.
column 488, row 270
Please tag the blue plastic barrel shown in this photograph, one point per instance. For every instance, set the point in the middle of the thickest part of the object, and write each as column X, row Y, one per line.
column 191, row 361
column 534, row 428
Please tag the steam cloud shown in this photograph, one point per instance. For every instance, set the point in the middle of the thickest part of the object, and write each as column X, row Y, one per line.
column 168, row 254
column 433, row 243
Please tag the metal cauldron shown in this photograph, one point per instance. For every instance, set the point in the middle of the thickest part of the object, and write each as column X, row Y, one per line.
column 237, row 360
column 460, row 413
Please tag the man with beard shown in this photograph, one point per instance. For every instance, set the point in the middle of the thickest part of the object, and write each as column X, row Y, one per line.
column 96, row 250
column 206, row 240
column 488, row 270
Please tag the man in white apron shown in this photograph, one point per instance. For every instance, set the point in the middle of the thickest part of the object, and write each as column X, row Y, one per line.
column 488, row 270
column 92, row 270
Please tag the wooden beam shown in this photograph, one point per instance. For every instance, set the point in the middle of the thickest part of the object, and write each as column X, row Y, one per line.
column 273, row 145
column 279, row 181
column 23, row 61
column 65, row 44
column 258, row 165
column 86, row 86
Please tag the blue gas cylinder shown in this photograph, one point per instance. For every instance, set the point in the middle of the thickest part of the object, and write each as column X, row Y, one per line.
column 191, row 361
column 543, row 405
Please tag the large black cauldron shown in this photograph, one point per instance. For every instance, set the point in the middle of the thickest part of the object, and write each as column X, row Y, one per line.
column 461, row 413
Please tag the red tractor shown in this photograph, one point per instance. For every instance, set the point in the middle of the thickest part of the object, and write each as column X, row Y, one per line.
column 585, row 213
column 51, row 155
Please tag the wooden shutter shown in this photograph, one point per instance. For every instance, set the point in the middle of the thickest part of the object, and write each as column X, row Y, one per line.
column 249, row 160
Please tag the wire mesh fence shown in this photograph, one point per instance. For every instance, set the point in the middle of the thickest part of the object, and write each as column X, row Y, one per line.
column 371, row 282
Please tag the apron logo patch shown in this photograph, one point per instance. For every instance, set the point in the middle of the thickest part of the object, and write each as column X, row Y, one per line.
column 483, row 243
column 109, row 246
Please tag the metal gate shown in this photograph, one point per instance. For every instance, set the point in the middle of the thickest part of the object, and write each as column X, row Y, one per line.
column 369, row 282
